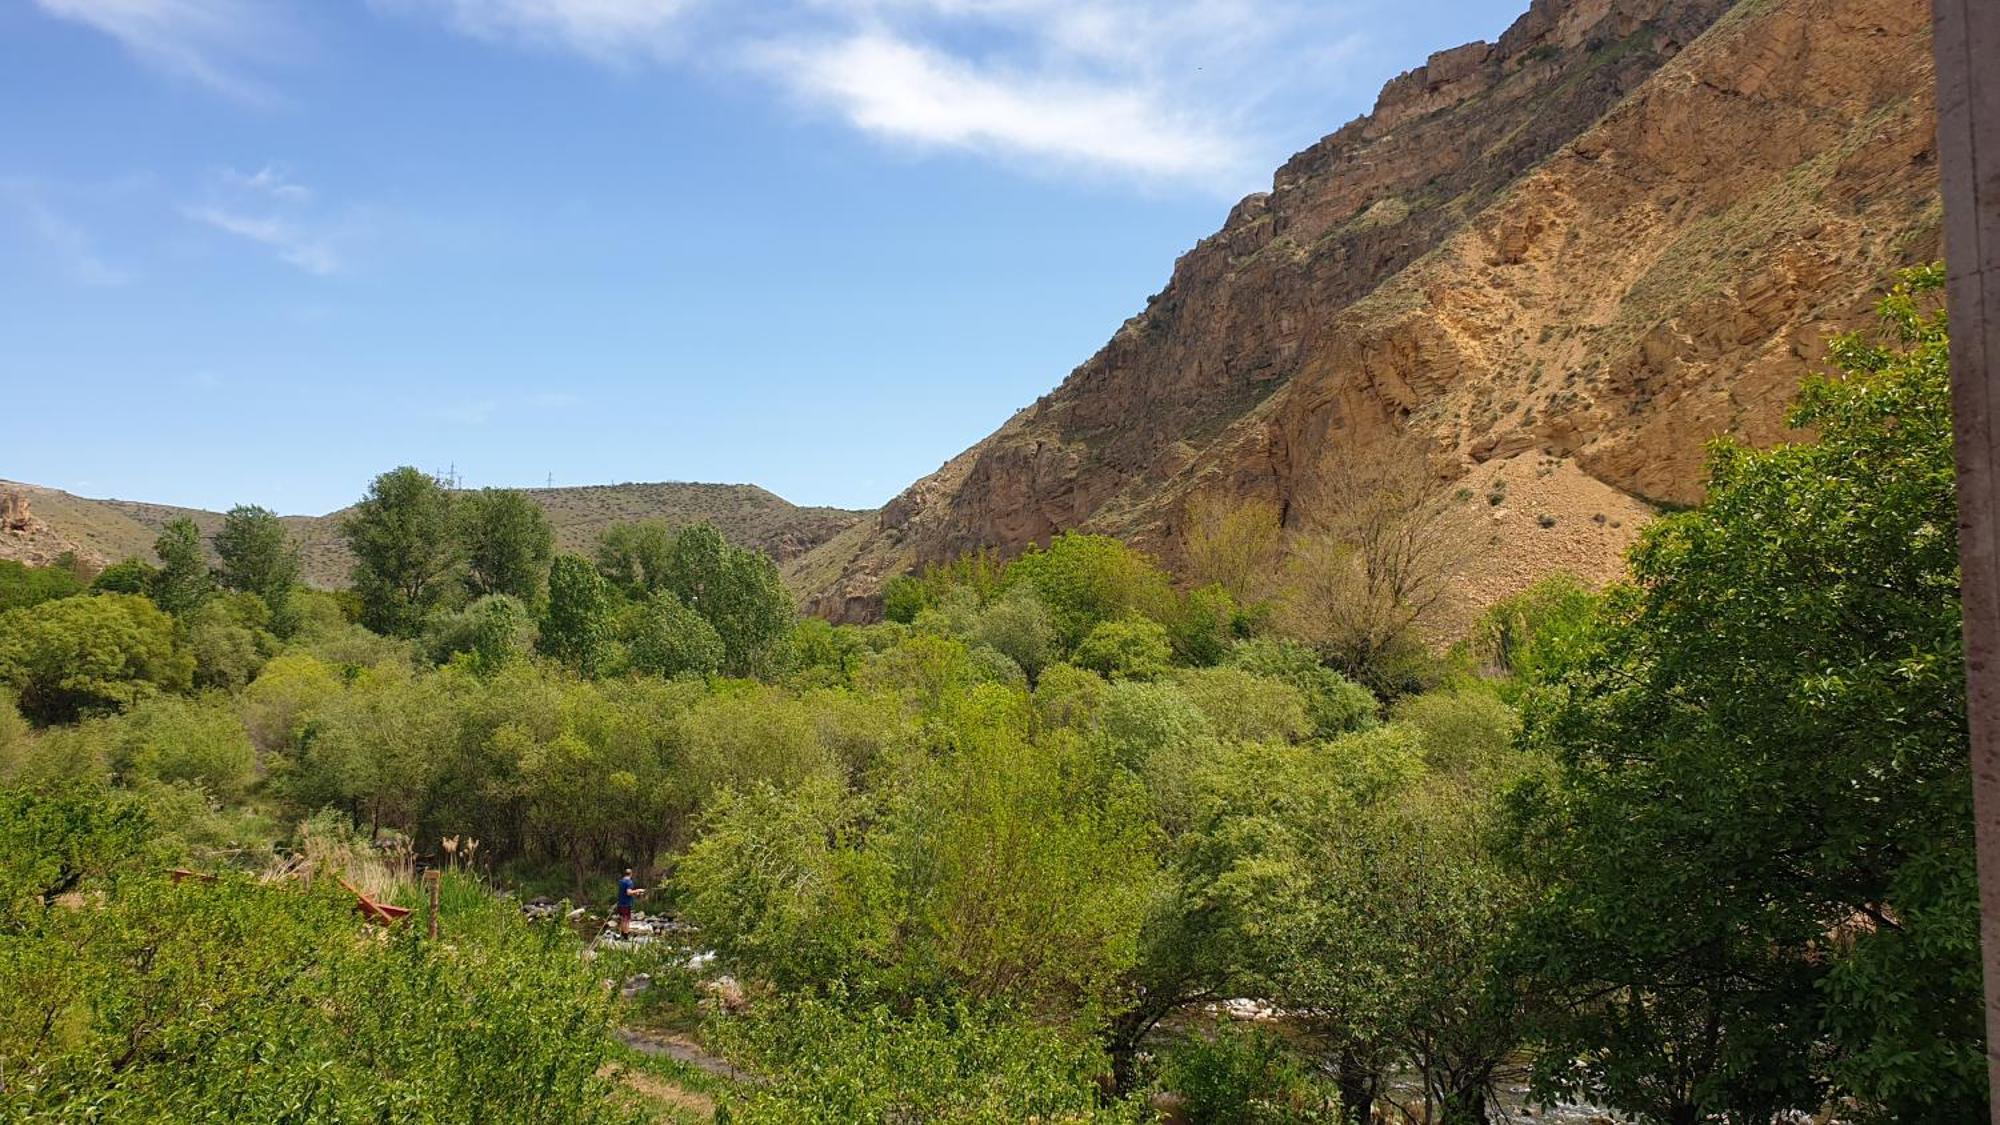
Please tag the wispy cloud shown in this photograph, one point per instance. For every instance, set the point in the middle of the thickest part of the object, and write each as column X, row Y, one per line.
column 1157, row 90
column 907, row 92
column 72, row 248
column 271, row 180
column 608, row 30
column 291, row 243
column 1198, row 93
column 217, row 43
column 269, row 208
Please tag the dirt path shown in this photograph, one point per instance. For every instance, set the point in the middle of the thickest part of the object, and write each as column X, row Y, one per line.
column 661, row 1092
column 682, row 1049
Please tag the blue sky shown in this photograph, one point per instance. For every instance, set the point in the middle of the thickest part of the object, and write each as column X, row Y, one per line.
column 259, row 250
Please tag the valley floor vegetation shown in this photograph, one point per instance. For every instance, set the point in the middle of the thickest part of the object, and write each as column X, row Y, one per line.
column 1695, row 848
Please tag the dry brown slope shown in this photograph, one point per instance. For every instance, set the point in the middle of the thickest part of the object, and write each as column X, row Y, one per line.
column 1667, row 279
column 1663, row 275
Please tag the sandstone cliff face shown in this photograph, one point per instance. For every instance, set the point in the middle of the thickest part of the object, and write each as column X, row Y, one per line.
column 1565, row 261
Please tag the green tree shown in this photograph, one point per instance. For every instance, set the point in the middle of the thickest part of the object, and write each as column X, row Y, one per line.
column 1244, row 707
column 1233, row 545
column 1203, row 625
column 1018, row 624
column 258, row 557
column 492, row 632
column 780, row 886
column 52, row 844
column 1528, row 635
column 401, row 537
column 241, row 1000
column 903, row 597
column 669, row 639
column 22, row 585
column 737, row 591
column 173, row 739
column 633, row 556
column 183, row 581
column 78, row 656
column 576, row 626
column 1334, row 704
column 1086, row 580
column 1129, row 648
column 374, row 750
column 507, row 543
column 1758, row 841
column 130, row 576
column 1246, row 1076
column 830, row 1061
column 291, row 688
column 229, row 640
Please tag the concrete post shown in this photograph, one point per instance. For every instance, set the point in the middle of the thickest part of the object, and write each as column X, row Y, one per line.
column 1967, row 41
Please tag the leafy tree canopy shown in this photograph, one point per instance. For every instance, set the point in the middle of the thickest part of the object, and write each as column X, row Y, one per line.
column 1760, row 827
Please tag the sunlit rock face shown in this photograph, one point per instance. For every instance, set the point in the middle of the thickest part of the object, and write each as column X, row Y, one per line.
column 1567, row 259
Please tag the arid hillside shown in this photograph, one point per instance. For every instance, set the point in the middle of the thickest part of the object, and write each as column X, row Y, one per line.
column 104, row 531
column 1557, row 265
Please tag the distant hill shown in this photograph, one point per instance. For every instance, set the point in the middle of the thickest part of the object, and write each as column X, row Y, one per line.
column 105, row 531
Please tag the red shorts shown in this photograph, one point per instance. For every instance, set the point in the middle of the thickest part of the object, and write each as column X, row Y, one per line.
column 625, row 912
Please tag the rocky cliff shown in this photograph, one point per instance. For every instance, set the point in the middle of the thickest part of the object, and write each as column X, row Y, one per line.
column 1559, row 264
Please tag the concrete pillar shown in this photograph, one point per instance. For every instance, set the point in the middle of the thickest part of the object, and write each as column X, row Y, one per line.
column 1967, row 41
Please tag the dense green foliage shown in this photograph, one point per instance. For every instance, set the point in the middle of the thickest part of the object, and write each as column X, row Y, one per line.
column 242, row 1000
column 1694, row 849
column 1757, row 845
column 401, row 536
column 258, row 557
column 22, row 586
column 669, row 639
column 508, row 543
column 183, row 581
column 576, row 626
column 1244, row 1075
column 77, row 656
column 130, row 576
column 952, row 1066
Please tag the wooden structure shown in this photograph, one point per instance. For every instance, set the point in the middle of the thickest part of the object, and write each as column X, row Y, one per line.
column 380, row 913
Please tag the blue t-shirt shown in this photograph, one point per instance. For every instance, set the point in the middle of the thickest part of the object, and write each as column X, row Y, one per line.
column 625, row 886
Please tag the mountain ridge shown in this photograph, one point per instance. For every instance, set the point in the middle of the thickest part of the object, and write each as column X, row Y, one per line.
column 1563, row 261
column 103, row 531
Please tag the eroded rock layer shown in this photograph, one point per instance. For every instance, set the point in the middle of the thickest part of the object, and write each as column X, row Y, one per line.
column 1566, row 260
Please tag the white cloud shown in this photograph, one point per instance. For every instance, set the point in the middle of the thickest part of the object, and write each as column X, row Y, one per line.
column 1203, row 93
column 1186, row 91
column 271, row 209
column 609, row 30
column 271, row 180
column 213, row 42
column 293, row 245
column 907, row 92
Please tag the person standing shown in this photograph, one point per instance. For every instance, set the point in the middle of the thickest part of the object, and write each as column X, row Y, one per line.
column 628, row 890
